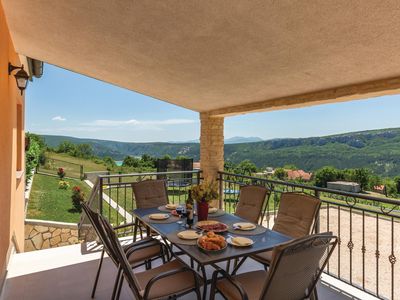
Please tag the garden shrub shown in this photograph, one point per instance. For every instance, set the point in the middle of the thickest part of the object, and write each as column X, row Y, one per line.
column 77, row 197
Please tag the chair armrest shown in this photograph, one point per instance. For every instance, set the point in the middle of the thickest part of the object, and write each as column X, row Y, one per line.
column 234, row 282
column 124, row 225
column 167, row 274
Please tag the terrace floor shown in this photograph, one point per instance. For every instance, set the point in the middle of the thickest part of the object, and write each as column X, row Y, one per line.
column 66, row 273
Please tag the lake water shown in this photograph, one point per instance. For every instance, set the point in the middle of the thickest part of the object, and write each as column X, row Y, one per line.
column 118, row 163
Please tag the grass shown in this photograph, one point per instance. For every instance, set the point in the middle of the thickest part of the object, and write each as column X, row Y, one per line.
column 48, row 202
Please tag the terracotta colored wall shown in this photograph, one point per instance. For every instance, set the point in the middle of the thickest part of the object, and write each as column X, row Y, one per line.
column 11, row 188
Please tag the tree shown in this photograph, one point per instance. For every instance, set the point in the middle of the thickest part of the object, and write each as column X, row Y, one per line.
column 166, row 156
column 362, row 177
column 109, row 161
column 229, row 166
column 83, row 150
column 397, row 182
column 324, row 175
column 290, row 167
column 65, row 147
column 281, row 173
column 130, row 161
column 246, row 167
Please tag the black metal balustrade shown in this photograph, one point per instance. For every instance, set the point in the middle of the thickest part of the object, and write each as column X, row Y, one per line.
column 368, row 227
column 113, row 197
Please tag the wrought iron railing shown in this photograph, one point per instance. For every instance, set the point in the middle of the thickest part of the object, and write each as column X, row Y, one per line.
column 113, row 197
column 368, row 229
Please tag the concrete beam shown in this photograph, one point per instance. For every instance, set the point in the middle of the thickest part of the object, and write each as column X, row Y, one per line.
column 360, row 91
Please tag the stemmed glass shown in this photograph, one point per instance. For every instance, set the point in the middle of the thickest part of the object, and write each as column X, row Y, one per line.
column 179, row 211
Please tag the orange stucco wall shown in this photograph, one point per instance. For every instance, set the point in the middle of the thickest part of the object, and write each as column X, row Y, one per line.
column 11, row 187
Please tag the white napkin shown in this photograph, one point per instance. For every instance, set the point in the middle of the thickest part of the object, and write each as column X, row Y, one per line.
column 242, row 241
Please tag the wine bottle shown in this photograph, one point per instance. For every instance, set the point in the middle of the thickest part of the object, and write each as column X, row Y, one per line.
column 189, row 210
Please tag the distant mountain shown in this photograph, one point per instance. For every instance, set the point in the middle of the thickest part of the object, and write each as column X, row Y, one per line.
column 232, row 140
column 240, row 139
column 378, row 150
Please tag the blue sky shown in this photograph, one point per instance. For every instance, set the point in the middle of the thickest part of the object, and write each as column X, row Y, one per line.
column 66, row 103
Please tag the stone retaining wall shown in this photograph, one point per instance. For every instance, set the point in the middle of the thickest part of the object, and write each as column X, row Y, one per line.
column 49, row 234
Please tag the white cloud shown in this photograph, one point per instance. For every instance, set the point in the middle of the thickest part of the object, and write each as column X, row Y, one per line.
column 58, row 118
column 133, row 122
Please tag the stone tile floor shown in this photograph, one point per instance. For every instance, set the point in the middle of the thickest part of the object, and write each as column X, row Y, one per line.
column 64, row 273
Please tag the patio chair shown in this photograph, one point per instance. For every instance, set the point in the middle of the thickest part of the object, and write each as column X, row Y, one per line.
column 148, row 193
column 170, row 280
column 145, row 250
column 297, row 217
column 251, row 203
column 295, row 270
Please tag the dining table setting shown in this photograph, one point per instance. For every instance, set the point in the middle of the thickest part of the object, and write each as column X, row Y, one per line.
column 222, row 237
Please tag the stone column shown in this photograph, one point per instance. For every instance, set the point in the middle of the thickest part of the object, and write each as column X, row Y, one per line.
column 211, row 146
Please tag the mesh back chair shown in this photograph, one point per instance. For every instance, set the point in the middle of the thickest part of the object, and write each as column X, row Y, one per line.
column 297, row 216
column 144, row 250
column 148, row 193
column 295, row 270
column 251, row 203
column 170, row 280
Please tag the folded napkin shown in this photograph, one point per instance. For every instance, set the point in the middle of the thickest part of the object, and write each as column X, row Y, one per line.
column 159, row 216
column 242, row 241
column 244, row 225
column 188, row 235
column 171, row 206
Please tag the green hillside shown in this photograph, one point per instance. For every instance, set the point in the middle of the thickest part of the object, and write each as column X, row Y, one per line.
column 378, row 150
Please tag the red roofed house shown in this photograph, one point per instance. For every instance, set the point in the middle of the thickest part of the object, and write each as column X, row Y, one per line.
column 298, row 174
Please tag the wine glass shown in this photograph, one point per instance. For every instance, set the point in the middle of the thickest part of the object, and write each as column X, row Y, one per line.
column 179, row 211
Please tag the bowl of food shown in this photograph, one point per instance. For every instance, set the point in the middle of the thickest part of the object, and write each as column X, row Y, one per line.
column 212, row 243
column 211, row 225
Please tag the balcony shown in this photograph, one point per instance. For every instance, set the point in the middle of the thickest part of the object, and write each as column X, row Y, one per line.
column 69, row 274
column 363, row 265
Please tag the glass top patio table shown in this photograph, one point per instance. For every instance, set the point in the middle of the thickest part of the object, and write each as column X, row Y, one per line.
column 262, row 242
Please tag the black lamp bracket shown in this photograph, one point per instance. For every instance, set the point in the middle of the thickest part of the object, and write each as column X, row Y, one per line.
column 12, row 68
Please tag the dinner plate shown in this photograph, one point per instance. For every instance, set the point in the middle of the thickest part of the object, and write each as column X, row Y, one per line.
column 240, row 241
column 210, row 225
column 188, row 235
column 244, row 226
column 159, row 216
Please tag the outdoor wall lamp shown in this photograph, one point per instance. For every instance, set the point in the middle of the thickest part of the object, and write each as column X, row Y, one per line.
column 21, row 76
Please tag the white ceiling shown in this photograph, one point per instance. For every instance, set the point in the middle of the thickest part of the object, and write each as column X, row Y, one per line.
column 207, row 55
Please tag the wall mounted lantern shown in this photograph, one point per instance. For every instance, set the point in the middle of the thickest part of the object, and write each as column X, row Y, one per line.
column 21, row 76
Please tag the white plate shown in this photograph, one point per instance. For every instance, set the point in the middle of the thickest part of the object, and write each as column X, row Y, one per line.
column 244, row 226
column 230, row 241
column 159, row 216
column 188, row 235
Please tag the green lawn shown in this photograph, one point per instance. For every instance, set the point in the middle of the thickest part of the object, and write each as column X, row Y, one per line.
column 48, row 202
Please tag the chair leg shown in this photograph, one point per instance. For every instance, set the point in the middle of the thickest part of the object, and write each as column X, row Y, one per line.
column 120, row 283
column 198, row 294
column 135, row 229
column 116, row 284
column 98, row 273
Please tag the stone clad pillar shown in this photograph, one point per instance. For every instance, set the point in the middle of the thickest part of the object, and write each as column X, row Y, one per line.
column 211, row 145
